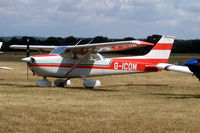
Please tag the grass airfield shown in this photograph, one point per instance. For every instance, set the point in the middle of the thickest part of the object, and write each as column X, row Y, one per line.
column 148, row 102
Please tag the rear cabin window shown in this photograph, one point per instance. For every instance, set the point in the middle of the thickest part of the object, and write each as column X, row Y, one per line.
column 95, row 57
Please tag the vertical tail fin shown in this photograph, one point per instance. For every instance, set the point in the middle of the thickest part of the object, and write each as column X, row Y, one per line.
column 162, row 49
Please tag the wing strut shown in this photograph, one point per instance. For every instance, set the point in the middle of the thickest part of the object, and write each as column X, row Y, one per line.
column 90, row 41
column 78, row 42
column 78, row 62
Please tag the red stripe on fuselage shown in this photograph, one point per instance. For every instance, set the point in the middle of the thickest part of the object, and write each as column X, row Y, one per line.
column 68, row 66
column 122, row 64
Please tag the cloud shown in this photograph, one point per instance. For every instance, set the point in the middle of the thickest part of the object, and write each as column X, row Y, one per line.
column 77, row 17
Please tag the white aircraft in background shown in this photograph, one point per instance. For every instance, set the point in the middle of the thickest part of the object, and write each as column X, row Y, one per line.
column 6, row 68
column 82, row 61
column 1, row 43
column 191, row 67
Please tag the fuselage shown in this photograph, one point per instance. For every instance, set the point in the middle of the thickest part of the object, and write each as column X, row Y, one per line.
column 94, row 65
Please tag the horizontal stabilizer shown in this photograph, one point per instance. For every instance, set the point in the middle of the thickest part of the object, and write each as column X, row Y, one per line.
column 171, row 67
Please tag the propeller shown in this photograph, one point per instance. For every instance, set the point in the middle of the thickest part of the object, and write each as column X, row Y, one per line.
column 27, row 55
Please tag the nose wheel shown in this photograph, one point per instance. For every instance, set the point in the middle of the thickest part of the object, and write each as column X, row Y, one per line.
column 43, row 83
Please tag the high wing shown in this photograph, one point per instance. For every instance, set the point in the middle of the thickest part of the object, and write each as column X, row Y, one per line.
column 34, row 47
column 84, row 48
column 171, row 67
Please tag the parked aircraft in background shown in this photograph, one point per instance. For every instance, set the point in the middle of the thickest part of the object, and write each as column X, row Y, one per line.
column 7, row 68
column 191, row 67
column 82, row 61
column 1, row 43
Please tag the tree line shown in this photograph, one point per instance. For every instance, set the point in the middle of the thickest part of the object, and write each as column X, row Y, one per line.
column 180, row 46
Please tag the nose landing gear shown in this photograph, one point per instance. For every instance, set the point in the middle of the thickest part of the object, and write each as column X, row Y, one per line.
column 43, row 83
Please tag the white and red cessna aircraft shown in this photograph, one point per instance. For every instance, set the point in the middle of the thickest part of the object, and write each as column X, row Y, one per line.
column 82, row 61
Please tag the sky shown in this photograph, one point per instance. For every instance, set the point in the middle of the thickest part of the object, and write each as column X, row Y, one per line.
column 110, row 18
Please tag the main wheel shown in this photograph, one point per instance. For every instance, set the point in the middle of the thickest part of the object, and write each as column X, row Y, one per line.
column 62, row 82
column 91, row 83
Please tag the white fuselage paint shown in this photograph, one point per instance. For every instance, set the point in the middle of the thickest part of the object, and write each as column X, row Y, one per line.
column 58, row 66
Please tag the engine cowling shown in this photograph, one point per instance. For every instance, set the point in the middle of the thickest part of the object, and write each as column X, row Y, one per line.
column 194, row 66
column 91, row 83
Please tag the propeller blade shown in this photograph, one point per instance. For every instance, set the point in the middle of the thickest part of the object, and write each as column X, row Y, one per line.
column 27, row 55
column 28, row 49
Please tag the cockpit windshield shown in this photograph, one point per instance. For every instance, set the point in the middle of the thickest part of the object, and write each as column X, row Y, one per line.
column 58, row 50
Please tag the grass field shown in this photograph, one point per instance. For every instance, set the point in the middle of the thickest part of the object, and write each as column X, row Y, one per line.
column 150, row 102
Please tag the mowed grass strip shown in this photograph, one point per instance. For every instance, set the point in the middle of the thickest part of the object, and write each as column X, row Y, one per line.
column 149, row 102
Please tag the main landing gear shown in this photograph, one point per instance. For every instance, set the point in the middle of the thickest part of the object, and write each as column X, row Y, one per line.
column 62, row 82
column 90, row 83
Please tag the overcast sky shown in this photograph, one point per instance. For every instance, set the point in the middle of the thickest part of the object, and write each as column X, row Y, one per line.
column 111, row 18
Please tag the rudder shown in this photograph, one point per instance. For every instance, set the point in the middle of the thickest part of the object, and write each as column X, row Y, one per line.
column 162, row 49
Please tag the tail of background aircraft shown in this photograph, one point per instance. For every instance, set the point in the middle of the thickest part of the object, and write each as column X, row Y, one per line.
column 159, row 54
column 1, row 43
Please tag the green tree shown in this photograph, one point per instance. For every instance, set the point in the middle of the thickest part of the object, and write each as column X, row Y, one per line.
column 100, row 39
column 128, row 39
column 1, row 40
column 154, row 38
column 25, row 39
column 51, row 41
column 14, row 40
column 71, row 40
column 60, row 41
